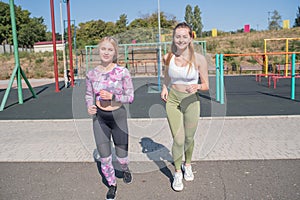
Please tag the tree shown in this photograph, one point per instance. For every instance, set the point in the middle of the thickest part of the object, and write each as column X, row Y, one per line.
column 5, row 24
column 111, row 29
column 153, row 20
column 138, row 23
column 29, row 30
column 197, row 21
column 188, row 17
column 150, row 21
column 121, row 23
column 144, row 29
column 297, row 20
column 49, row 36
column 193, row 18
column 32, row 32
column 89, row 33
column 275, row 22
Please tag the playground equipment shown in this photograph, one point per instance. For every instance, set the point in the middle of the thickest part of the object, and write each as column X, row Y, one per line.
column 18, row 72
column 265, row 59
column 70, row 43
column 67, row 71
column 126, row 51
column 142, row 60
column 71, row 71
column 285, row 68
column 220, row 72
column 54, row 46
column 219, row 78
column 278, row 75
column 293, row 81
column 286, row 52
column 134, row 56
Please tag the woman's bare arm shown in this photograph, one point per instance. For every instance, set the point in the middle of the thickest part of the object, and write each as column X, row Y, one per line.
column 203, row 72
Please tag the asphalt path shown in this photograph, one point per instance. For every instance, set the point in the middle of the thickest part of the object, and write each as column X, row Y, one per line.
column 245, row 179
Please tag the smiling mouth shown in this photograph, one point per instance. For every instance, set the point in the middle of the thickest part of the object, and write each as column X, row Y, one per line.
column 181, row 44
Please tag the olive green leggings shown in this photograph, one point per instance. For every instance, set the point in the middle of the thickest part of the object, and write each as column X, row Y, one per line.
column 183, row 125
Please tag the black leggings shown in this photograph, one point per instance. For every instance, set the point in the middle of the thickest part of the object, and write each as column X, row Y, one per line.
column 113, row 124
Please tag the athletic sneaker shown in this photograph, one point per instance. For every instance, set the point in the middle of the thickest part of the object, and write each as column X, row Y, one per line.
column 188, row 173
column 111, row 194
column 127, row 177
column 177, row 182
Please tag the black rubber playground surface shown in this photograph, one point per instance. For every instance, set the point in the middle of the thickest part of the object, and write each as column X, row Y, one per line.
column 230, row 179
column 243, row 97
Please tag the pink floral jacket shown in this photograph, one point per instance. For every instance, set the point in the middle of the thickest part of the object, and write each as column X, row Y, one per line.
column 117, row 81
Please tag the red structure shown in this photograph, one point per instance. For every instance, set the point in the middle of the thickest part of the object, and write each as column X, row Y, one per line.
column 54, row 46
column 70, row 44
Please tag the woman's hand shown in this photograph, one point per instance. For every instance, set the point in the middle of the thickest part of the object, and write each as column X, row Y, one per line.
column 164, row 94
column 92, row 110
column 105, row 95
column 193, row 88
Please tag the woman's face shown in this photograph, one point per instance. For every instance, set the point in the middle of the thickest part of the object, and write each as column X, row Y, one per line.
column 182, row 38
column 107, row 52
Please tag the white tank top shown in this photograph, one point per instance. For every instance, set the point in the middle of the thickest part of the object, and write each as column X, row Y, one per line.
column 182, row 75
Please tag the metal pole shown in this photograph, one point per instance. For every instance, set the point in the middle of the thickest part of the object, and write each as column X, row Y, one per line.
column 8, row 88
column 75, row 49
column 217, row 77
column 17, row 70
column 126, row 56
column 86, row 59
column 70, row 44
column 286, row 57
column 64, row 46
column 165, row 48
column 54, row 46
column 293, row 81
column 16, row 52
column 159, row 47
column 221, row 80
column 266, row 57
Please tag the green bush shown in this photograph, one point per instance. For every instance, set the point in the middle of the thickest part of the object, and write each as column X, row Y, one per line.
column 212, row 46
column 24, row 54
column 231, row 42
column 257, row 44
column 5, row 56
column 39, row 60
column 251, row 60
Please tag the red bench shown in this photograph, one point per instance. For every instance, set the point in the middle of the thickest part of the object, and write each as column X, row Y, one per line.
column 276, row 78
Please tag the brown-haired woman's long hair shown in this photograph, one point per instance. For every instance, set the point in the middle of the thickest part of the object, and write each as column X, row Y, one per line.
column 191, row 46
column 114, row 42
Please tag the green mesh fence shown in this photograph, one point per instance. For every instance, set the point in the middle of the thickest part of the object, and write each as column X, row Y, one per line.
column 139, row 50
column 139, row 58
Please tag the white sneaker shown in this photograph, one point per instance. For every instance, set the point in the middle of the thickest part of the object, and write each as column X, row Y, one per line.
column 177, row 182
column 188, row 173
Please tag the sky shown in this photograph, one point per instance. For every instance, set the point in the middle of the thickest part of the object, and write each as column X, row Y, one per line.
column 224, row 15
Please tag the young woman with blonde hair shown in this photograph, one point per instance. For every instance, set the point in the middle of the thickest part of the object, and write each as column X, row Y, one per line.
column 184, row 68
column 108, row 87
